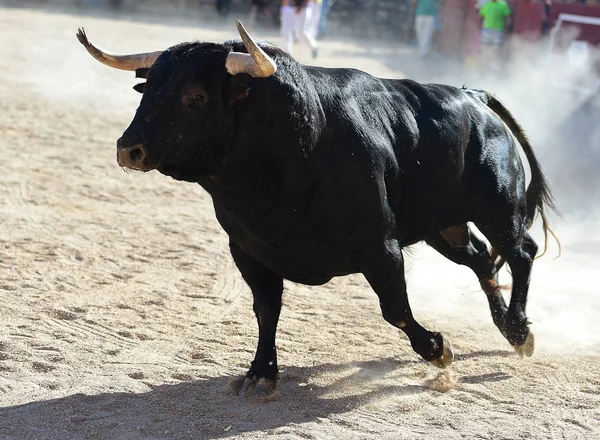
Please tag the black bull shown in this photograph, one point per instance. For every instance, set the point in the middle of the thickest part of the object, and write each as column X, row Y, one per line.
column 316, row 173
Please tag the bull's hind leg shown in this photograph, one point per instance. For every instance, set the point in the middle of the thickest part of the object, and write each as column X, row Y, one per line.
column 384, row 270
column 460, row 245
column 267, row 289
column 517, row 248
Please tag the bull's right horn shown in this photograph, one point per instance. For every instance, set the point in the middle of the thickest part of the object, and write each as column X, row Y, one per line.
column 255, row 63
column 118, row 61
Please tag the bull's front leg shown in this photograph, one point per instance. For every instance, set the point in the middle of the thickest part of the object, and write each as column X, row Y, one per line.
column 267, row 289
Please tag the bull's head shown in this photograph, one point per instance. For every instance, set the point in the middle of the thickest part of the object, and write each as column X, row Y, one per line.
column 184, row 111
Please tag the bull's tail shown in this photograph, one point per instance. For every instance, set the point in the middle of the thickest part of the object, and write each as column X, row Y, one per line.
column 538, row 196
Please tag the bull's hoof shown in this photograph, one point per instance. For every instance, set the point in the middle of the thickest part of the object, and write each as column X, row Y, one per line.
column 257, row 388
column 526, row 349
column 445, row 360
column 247, row 385
column 264, row 387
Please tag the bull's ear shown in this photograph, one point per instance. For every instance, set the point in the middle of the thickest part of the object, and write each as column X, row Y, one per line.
column 139, row 87
column 141, row 73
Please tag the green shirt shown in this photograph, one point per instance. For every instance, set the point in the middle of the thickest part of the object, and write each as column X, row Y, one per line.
column 494, row 13
column 427, row 7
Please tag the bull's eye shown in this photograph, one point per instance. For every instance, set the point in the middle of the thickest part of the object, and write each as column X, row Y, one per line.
column 194, row 98
column 199, row 98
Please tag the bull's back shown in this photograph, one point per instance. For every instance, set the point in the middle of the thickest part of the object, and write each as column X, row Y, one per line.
column 459, row 149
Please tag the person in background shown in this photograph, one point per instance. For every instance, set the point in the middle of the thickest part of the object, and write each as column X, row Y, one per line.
column 223, row 8
column 293, row 20
column 325, row 7
column 495, row 14
column 313, row 17
column 309, row 23
column 259, row 6
column 437, row 30
column 425, row 13
column 546, row 17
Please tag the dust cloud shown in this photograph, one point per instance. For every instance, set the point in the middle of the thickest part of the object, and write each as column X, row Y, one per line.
column 555, row 96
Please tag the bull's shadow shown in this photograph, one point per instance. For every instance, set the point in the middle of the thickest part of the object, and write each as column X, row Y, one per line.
column 208, row 408
column 205, row 408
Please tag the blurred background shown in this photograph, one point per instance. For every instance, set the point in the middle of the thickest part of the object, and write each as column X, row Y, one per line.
column 456, row 31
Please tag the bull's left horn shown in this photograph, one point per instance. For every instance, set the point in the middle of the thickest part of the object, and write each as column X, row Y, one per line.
column 118, row 61
column 255, row 63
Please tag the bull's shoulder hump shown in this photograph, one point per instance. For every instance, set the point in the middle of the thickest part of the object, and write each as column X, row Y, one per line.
column 423, row 97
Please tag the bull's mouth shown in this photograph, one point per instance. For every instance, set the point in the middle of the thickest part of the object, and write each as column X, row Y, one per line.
column 139, row 167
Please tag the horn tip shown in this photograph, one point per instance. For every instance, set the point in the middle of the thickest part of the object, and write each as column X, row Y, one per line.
column 82, row 37
column 240, row 27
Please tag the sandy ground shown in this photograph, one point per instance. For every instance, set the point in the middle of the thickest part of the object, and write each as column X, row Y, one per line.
column 122, row 315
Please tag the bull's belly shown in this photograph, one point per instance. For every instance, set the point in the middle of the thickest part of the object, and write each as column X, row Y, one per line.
column 300, row 249
column 305, row 261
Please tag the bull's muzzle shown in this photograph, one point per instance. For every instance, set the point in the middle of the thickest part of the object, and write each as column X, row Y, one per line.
column 133, row 156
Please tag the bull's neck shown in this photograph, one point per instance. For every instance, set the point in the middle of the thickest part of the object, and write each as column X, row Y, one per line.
column 254, row 177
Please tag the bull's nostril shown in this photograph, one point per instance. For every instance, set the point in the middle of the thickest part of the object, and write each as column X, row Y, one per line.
column 136, row 154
